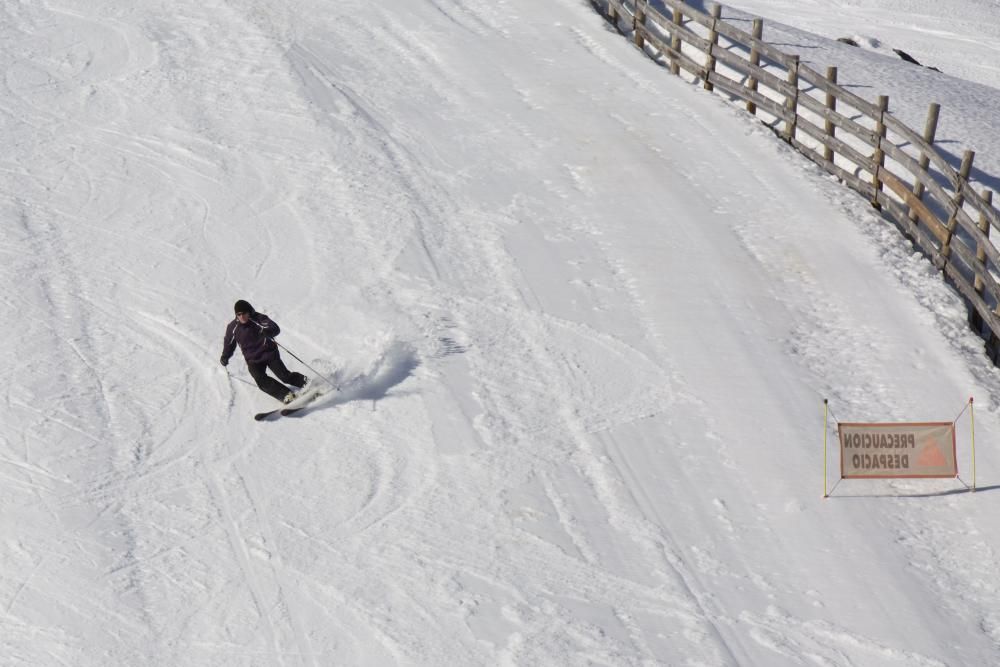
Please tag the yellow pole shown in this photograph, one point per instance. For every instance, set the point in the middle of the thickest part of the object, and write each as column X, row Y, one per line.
column 826, row 412
column 972, row 414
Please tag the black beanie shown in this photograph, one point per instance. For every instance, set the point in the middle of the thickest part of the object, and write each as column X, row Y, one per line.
column 243, row 307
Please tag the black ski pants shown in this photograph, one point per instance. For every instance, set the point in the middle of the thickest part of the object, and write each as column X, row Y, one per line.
column 267, row 384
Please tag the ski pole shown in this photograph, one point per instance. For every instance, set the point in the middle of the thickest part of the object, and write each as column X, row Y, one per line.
column 320, row 375
column 237, row 377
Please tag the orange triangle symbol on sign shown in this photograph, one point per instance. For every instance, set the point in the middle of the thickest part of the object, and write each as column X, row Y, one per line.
column 932, row 456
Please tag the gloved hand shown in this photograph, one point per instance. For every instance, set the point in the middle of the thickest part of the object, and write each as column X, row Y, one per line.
column 224, row 361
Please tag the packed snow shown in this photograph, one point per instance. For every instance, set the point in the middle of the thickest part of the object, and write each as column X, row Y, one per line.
column 581, row 316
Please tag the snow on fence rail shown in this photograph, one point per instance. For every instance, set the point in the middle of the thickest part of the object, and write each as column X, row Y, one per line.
column 898, row 169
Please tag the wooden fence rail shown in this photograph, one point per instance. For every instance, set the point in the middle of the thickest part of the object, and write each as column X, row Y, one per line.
column 899, row 170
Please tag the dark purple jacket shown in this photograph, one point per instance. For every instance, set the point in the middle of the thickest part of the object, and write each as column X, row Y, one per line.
column 255, row 339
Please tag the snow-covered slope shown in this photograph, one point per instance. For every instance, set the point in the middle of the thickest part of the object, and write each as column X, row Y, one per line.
column 959, row 37
column 582, row 315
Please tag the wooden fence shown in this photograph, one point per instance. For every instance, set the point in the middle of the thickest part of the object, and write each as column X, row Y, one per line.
column 898, row 169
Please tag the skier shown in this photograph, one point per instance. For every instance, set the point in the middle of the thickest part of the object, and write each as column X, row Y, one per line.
column 254, row 332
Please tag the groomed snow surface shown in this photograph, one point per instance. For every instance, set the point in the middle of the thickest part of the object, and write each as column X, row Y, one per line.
column 582, row 314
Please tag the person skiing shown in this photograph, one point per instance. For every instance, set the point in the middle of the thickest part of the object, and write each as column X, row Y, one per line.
column 254, row 332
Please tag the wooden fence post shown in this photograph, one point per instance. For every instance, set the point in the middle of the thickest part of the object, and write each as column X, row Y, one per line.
column 831, row 104
column 639, row 21
column 957, row 201
column 675, row 43
column 758, row 33
column 930, row 130
column 984, row 226
column 713, row 42
column 879, row 157
column 792, row 101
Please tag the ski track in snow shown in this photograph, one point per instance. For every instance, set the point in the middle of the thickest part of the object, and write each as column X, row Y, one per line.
column 499, row 228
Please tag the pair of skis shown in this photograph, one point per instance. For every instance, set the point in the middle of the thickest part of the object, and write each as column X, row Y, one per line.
column 300, row 403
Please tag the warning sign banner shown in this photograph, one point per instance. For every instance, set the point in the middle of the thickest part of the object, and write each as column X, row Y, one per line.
column 897, row 450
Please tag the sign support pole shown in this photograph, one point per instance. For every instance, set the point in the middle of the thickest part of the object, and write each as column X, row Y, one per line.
column 972, row 415
column 826, row 412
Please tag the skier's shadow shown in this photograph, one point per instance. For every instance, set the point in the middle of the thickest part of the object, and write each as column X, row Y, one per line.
column 397, row 365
